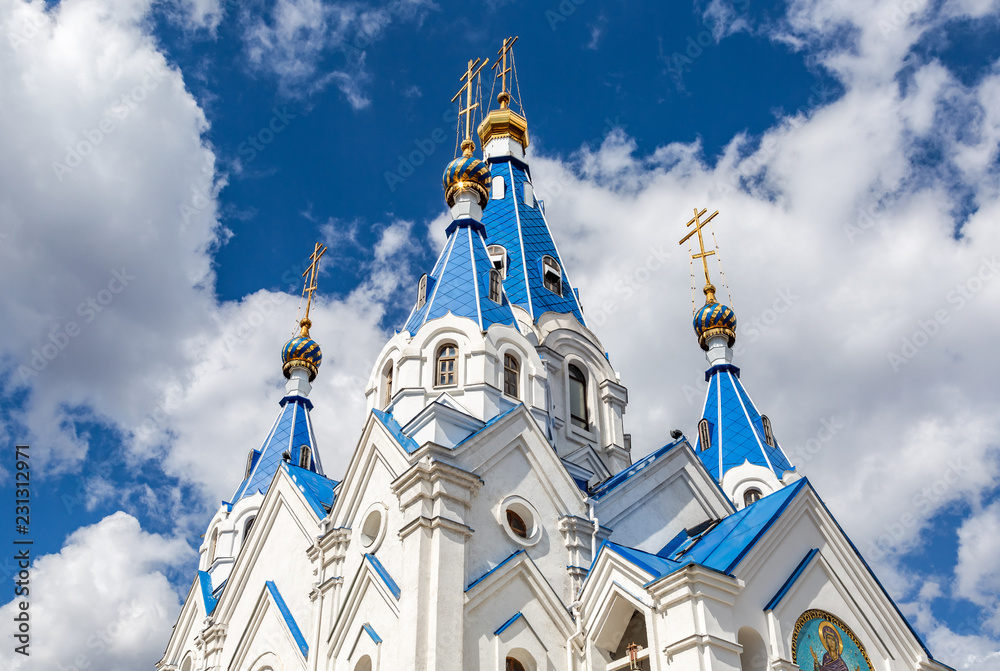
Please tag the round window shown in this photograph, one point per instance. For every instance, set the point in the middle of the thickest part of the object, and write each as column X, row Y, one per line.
column 373, row 528
column 520, row 520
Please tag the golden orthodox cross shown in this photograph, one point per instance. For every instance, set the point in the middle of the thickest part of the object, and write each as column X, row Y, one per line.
column 312, row 271
column 698, row 225
column 501, row 63
column 470, row 72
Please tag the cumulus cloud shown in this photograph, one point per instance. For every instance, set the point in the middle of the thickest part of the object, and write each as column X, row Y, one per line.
column 103, row 601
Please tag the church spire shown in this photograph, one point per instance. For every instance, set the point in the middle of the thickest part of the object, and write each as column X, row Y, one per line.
column 714, row 323
column 301, row 356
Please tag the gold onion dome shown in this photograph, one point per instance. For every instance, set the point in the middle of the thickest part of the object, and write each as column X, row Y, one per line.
column 714, row 319
column 467, row 172
column 302, row 351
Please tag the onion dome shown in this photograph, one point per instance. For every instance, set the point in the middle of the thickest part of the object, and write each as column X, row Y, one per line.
column 714, row 319
column 504, row 122
column 467, row 172
column 302, row 351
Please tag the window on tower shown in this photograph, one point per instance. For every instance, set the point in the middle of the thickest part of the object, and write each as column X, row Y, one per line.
column 578, row 397
column 704, row 434
column 529, row 194
column 499, row 187
column 495, row 285
column 511, row 375
column 752, row 495
column 768, row 434
column 447, row 359
column 387, row 385
column 498, row 256
column 551, row 275
column 304, row 454
column 213, row 545
column 422, row 291
column 249, row 465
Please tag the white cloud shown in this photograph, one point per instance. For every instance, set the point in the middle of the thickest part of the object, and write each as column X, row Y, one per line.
column 103, row 601
column 978, row 570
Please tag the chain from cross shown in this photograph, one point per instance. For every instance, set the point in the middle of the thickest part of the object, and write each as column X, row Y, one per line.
column 312, row 271
column 698, row 225
column 501, row 63
column 470, row 72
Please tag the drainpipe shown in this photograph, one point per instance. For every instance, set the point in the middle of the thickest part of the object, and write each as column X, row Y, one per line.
column 576, row 635
column 593, row 537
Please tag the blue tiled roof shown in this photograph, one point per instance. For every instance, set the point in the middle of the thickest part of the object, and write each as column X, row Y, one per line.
column 736, row 429
column 460, row 282
column 317, row 489
column 290, row 431
column 623, row 476
column 522, row 230
column 382, row 573
column 286, row 614
column 652, row 564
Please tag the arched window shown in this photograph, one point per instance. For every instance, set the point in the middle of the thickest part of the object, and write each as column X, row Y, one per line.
column 364, row 664
column 213, row 544
column 704, row 434
column 387, row 385
column 511, row 664
column 517, row 524
column 246, row 528
column 304, row 454
column 754, row 654
column 768, row 433
column 499, row 187
column 447, row 359
column 186, row 664
column 495, row 285
column 422, row 291
column 551, row 275
column 751, row 495
column 529, row 194
column 249, row 464
column 578, row 397
column 498, row 256
column 511, row 376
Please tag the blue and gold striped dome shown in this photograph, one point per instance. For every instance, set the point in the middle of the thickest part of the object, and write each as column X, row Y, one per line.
column 467, row 172
column 302, row 351
column 714, row 319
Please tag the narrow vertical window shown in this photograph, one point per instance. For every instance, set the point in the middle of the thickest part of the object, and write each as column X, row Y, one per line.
column 387, row 385
column 246, row 528
column 249, row 465
column 551, row 275
column 495, row 285
column 498, row 187
column 529, row 194
column 578, row 397
column 304, row 454
column 446, row 360
column 751, row 496
column 511, row 375
column 422, row 291
column 704, row 434
column 768, row 434
column 213, row 545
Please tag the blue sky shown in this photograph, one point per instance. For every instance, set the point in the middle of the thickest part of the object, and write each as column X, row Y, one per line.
column 852, row 151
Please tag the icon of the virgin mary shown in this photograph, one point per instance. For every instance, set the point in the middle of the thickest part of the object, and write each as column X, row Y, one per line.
column 832, row 660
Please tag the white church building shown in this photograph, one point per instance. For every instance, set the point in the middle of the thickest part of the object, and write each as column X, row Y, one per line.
column 491, row 516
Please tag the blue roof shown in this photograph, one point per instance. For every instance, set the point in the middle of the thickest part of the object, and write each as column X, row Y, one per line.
column 484, row 576
column 382, row 573
column 395, row 430
column 736, row 429
column 652, row 564
column 623, row 476
column 371, row 632
column 503, row 627
column 291, row 430
column 724, row 545
column 286, row 614
column 490, row 422
column 522, row 230
column 460, row 282
column 317, row 489
column 209, row 599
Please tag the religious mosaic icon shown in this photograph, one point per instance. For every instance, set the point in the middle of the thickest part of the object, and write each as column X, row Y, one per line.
column 822, row 642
